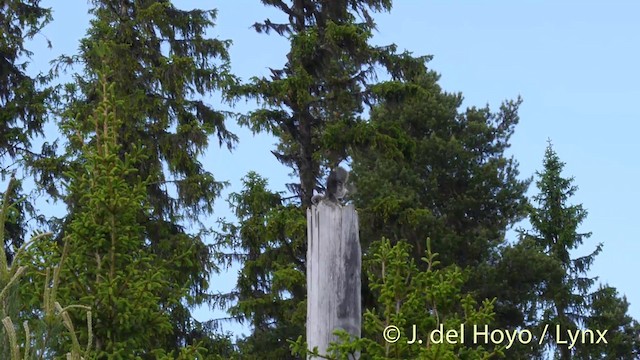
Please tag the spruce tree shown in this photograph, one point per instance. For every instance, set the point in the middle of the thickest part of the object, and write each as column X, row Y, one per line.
column 23, row 101
column 161, row 63
column 430, row 168
column 564, row 294
column 313, row 104
column 433, row 170
column 110, row 268
column 609, row 312
column 271, row 283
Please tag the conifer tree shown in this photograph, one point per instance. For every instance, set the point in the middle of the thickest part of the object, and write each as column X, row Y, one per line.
column 433, row 169
column 110, row 267
column 313, row 103
column 270, row 285
column 609, row 312
column 23, row 104
column 161, row 63
column 565, row 291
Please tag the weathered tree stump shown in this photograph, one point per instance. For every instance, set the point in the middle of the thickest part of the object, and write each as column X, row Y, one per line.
column 334, row 261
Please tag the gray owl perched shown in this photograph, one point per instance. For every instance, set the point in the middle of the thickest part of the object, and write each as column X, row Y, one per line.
column 336, row 187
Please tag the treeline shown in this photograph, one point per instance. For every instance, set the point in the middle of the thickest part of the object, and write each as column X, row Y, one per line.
column 118, row 276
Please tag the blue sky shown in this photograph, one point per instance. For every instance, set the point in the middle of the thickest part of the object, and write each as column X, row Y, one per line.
column 573, row 63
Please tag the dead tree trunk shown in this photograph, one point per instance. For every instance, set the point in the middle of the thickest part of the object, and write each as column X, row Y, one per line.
column 333, row 274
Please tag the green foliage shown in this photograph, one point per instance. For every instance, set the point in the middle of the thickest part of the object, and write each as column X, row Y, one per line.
column 425, row 167
column 313, row 104
column 23, row 103
column 269, row 284
column 608, row 312
column 17, row 345
column 131, row 177
column 416, row 302
column 161, row 63
column 430, row 170
column 563, row 297
column 110, row 267
column 14, row 219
